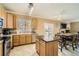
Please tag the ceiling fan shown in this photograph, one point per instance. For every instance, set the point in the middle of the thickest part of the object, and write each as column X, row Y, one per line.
column 60, row 15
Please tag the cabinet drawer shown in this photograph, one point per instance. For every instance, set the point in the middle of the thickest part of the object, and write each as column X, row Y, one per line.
column 1, row 49
column 16, row 40
column 16, row 36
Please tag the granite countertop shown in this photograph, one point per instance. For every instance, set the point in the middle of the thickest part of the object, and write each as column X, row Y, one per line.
column 41, row 38
column 20, row 33
column 15, row 32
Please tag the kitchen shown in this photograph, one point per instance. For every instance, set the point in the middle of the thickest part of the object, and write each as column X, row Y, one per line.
column 22, row 34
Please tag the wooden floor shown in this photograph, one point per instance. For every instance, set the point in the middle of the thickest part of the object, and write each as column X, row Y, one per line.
column 29, row 50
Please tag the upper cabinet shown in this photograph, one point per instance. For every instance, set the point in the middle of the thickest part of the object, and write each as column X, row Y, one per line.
column 0, row 11
column 3, row 15
column 34, row 23
column 10, row 18
column 14, row 22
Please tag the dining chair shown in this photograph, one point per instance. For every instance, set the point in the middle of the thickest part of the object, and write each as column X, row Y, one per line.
column 77, row 37
column 61, row 41
column 71, row 41
column 65, row 41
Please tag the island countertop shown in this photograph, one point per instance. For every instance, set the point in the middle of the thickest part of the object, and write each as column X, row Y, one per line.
column 21, row 33
column 41, row 38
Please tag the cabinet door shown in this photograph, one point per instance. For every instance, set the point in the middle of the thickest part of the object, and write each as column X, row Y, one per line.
column 22, row 39
column 4, row 17
column 0, row 11
column 1, row 53
column 14, row 22
column 42, row 48
column 16, row 40
column 28, row 38
column 55, row 48
column 34, row 23
column 9, row 20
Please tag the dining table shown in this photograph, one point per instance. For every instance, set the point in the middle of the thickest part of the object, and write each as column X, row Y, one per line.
column 68, row 37
column 67, row 34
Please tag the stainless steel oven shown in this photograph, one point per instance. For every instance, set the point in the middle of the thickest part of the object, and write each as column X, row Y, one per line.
column 6, row 46
column 7, row 42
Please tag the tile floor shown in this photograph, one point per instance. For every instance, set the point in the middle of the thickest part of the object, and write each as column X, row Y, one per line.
column 69, row 52
column 29, row 50
column 24, row 50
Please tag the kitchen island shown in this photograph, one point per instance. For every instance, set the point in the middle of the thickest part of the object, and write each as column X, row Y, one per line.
column 46, row 48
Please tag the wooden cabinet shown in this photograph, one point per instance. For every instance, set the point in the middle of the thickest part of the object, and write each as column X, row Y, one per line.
column 34, row 23
column 0, row 11
column 21, row 39
column 42, row 48
column 9, row 20
column 15, row 40
column 28, row 38
column 52, row 48
column 3, row 13
column 49, row 48
column 4, row 17
column 1, row 49
column 14, row 22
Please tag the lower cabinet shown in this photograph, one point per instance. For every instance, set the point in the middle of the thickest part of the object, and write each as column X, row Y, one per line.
column 1, row 49
column 28, row 38
column 44, row 48
column 15, row 40
column 21, row 39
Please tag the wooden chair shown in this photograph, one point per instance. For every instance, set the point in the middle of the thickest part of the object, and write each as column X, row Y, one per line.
column 61, row 41
column 71, row 41
column 77, row 37
column 64, row 41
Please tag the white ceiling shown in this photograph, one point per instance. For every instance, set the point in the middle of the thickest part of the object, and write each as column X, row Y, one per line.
column 65, row 11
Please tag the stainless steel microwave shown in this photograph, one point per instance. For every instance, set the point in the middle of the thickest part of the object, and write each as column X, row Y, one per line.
column 1, row 22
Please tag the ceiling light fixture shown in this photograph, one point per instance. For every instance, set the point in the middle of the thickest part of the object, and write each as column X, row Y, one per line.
column 31, row 7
